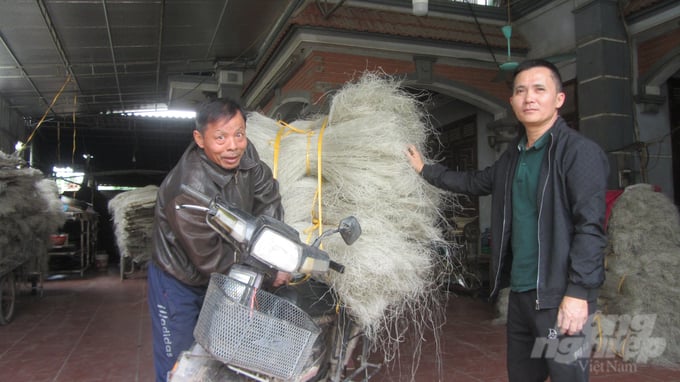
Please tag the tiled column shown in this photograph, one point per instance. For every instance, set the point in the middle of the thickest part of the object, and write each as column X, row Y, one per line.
column 603, row 74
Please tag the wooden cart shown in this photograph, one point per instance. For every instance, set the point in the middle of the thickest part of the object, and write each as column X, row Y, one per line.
column 12, row 274
column 8, row 289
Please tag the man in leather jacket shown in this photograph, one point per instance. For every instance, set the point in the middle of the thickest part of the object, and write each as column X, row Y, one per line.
column 548, row 208
column 220, row 161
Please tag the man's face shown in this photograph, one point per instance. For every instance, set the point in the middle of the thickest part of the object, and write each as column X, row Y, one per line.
column 535, row 98
column 224, row 141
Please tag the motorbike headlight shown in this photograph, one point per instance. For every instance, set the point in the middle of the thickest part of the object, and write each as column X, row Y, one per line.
column 276, row 250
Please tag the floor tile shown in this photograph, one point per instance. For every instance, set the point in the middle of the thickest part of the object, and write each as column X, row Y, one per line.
column 97, row 328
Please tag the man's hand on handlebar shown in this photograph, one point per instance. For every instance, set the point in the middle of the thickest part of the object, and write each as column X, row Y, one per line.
column 282, row 278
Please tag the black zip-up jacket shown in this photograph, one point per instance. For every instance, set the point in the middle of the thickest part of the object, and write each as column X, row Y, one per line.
column 183, row 244
column 571, row 212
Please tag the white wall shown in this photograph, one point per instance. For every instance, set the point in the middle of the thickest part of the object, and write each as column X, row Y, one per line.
column 548, row 30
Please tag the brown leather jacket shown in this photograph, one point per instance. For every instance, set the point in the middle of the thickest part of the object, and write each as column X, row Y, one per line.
column 183, row 244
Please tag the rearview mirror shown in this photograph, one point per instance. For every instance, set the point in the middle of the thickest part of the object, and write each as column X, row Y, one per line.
column 349, row 229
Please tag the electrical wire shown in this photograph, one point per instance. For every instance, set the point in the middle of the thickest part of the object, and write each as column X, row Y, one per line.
column 481, row 32
column 73, row 150
column 54, row 100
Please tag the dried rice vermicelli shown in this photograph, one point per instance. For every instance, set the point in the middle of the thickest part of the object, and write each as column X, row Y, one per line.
column 30, row 211
column 642, row 258
column 642, row 272
column 393, row 273
column 132, row 212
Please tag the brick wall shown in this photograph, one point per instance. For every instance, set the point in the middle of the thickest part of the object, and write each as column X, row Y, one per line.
column 324, row 71
column 651, row 51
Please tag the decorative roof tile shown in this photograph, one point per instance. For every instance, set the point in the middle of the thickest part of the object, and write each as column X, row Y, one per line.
column 382, row 22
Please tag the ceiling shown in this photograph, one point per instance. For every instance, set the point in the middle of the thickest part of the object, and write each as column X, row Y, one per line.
column 67, row 67
column 121, row 54
column 89, row 58
column 72, row 63
column 70, row 66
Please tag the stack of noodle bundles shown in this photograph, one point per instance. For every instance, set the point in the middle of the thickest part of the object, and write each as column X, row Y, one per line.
column 356, row 156
column 133, row 213
column 30, row 211
column 639, row 300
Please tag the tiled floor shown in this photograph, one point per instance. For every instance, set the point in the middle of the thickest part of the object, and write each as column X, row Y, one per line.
column 97, row 329
column 90, row 329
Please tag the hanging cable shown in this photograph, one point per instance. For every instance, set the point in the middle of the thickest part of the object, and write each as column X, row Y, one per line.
column 481, row 32
column 73, row 151
column 54, row 100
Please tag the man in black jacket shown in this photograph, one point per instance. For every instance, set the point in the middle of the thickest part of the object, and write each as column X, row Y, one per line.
column 185, row 250
column 548, row 208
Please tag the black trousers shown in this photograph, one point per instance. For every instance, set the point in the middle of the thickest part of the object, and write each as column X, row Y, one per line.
column 536, row 350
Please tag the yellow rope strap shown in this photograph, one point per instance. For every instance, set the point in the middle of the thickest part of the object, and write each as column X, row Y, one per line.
column 319, row 172
column 620, row 286
column 598, row 320
column 315, row 219
column 54, row 100
column 285, row 130
column 316, row 215
column 624, row 345
column 301, row 280
column 621, row 351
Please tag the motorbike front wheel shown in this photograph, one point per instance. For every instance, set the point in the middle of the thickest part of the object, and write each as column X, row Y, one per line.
column 346, row 364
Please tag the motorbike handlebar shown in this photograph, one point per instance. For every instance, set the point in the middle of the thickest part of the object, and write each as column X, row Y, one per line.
column 336, row 267
column 231, row 230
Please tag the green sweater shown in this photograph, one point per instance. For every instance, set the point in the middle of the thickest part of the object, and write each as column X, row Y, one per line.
column 525, row 216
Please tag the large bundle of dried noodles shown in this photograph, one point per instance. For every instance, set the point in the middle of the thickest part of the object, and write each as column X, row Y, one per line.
column 30, row 211
column 640, row 321
column 132, row 212
column 356, row 157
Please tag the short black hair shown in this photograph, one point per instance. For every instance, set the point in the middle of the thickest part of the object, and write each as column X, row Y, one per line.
column 536, row 63
column 215, row 109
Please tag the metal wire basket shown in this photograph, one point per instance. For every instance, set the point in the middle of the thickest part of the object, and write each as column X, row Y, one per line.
column 254, row 330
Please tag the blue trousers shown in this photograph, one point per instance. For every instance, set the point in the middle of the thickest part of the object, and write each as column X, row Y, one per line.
column 174, row 309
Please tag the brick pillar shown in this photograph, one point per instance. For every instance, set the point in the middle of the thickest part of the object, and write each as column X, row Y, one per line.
column 603, row 73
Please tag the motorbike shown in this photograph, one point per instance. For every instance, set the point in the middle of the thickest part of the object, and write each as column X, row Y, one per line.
column 298, row 332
